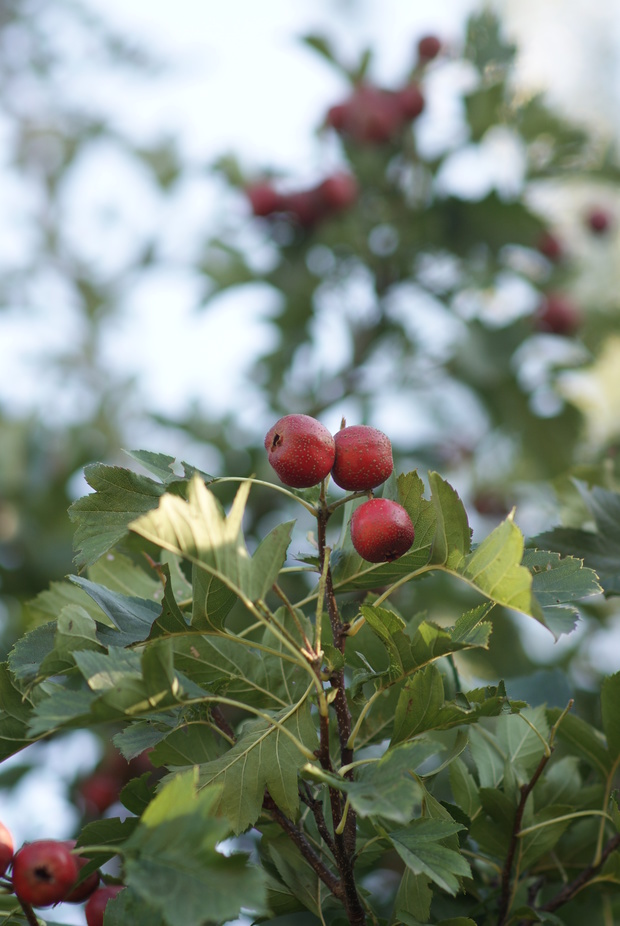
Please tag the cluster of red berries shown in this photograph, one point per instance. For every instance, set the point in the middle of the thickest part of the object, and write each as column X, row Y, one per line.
column 303, row 452
column 373, row 115
column 47, row 872
column 306, row 207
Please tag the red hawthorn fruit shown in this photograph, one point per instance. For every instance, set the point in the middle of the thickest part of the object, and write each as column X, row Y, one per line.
column 549, row 245
column 264, row 200
column 44, row 872
column 363, row 458
column 410, row 101
column 381, row 530
column 306, row 207
column 99, row 791
column 598, row 221
column 557, row 314
column 338, row 191
column 6, row 848
column 301, row 450
column 337, row 116
column 429, row 47
column 81, row 891
column 97, row 902
column 372, row 115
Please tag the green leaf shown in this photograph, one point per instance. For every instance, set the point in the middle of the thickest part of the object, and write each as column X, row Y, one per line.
column 521, row 744
column 389, row 788
column 494, row 568
column 131, row 616
column 63, row 707
column 599, row 548
column 464, row 788
column 489, row 758
column 583, row 739
column 420, row 847
column 452, row 539
column 198, row 530
column 485, row 45
column 483, row 108
column 264, row 757
column 130, row 907
column 543, row 840
column 557, row 581
column 610, row 698
column 103, row 517
column 295, row 872
column 162, row 465
column 48, row 604
column 413, row 898
column 229, row 667
column 419, row 704
column 15, row 715
column 409, row 493
column 191, row 744
column 171, row 859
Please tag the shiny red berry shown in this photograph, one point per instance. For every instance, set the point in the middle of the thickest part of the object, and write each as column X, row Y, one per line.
column 44, row 872
column 363, row 458
column 301, row 450
column 381, row 530
column 557, row 314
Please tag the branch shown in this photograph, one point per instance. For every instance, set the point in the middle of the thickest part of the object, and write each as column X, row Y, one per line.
column 569, row 890
column 301, row 841
column 526, row 790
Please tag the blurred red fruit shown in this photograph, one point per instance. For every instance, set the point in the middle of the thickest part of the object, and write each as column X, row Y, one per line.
column 557, row 314
column 336, row 116
column 88, row 885
column 411, row 101
column 305, row 207
column 550, row 247
column 338, row 191
column 264, row 200
column 370, row 115
column 6, row 848
column 429, row 47
column 99, row 791
column 599, row 221
column 97, row 903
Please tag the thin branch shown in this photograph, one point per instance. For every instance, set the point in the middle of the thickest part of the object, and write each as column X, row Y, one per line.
column 526, row 790
column 301, row 841
column 317, row 811
column 569, row 890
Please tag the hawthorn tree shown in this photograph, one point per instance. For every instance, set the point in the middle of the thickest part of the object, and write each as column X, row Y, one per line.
column 329, row 738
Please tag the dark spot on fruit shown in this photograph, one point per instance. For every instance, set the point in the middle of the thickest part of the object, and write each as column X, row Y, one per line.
column 42, row 873
column 277, row 440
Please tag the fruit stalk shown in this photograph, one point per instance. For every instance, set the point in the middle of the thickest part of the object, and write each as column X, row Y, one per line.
column 29, row 913
column 344, row 843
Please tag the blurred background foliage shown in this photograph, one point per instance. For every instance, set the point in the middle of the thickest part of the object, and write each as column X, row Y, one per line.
column 463, row 302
